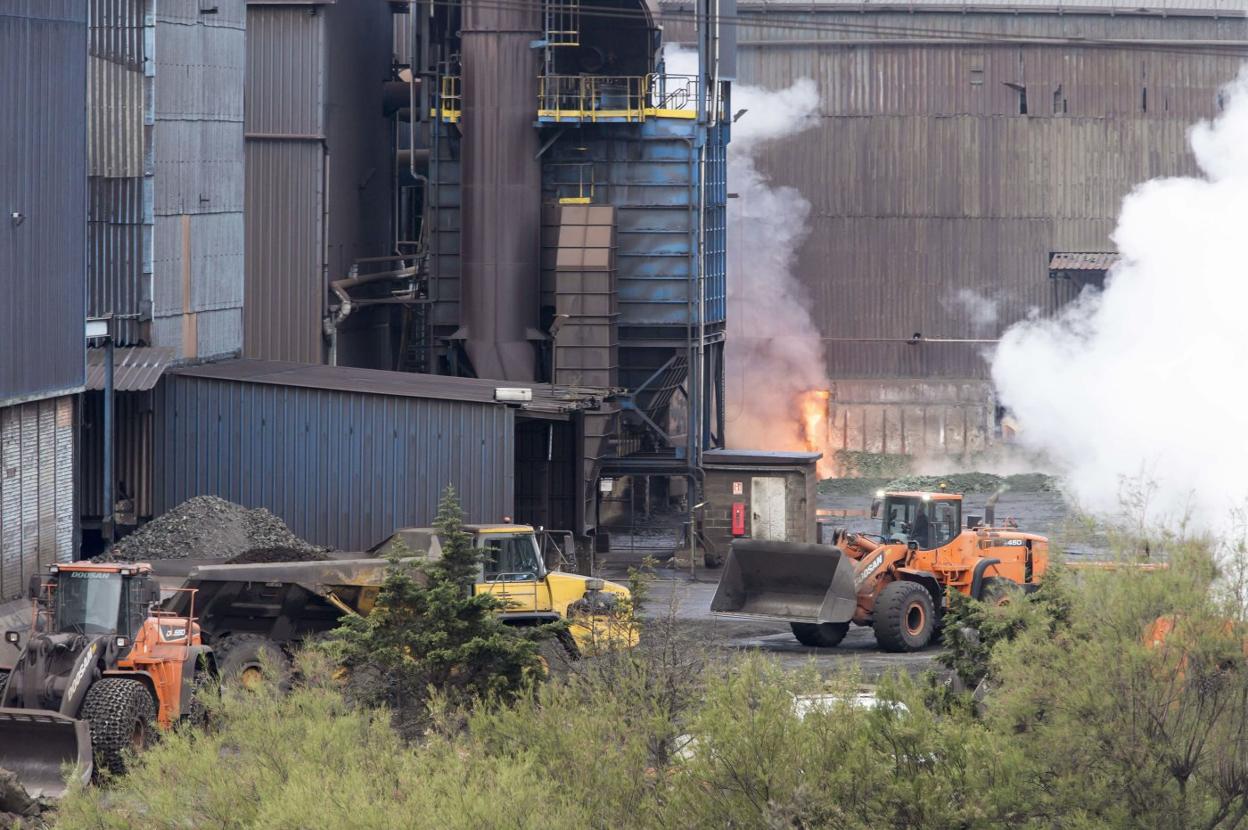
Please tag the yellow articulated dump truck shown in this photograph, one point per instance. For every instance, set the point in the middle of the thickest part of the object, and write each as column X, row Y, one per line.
column 253, row 614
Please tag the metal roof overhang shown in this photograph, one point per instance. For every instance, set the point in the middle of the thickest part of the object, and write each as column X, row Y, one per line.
column 135, row 369
column 549, row 402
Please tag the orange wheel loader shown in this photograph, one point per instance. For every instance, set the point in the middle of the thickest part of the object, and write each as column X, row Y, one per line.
column 100, row 669
column 896, row 582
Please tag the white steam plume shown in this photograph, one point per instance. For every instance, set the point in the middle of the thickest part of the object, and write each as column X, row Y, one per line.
column 774, row 350
column 1145, row 381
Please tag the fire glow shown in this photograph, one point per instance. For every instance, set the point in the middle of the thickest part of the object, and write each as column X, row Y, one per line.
column 813, row 411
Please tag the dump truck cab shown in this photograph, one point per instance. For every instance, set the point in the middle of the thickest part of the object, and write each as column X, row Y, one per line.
column 897, row 581
column 516, row 569
column 255, row 614
column 98, row 669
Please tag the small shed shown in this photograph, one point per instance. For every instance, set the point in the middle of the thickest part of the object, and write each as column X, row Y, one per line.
column 773, row 494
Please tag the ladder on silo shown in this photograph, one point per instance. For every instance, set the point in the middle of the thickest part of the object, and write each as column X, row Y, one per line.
column 562, row 25
column 562, row 22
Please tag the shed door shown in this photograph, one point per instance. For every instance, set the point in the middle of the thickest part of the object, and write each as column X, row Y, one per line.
column 767, row 508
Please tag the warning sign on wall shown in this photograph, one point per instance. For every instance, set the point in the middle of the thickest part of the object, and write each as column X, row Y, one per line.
column 738, row 488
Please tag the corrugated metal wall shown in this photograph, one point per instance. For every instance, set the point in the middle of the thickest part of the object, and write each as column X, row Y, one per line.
column 43, row 140
column 119, row 159
column 200, row 58
column 341, row 469
column 318, row 190
column 926, row 179
column 132, row 452
column 285, row 183
column 37, row 516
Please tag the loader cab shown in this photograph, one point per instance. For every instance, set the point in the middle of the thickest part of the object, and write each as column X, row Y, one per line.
column 929, row 520
column 93, row 599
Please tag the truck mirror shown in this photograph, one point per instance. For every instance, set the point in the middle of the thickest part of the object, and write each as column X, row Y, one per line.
column 35, row 588
column 875, row 509
column 153, row 592
column 13, row 638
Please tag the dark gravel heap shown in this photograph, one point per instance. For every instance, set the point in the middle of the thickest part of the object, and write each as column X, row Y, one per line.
column 260, row 556
column 207, row 527
column 975, row 483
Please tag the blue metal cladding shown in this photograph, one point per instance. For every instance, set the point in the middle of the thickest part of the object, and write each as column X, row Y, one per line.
column 342, row 469
column 649, row 172
column 43, row 195
column 716, row 254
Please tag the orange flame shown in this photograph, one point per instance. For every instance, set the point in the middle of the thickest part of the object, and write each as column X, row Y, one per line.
column 813, row 406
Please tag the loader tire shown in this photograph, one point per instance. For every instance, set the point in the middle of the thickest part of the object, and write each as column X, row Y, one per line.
column 251, row 659
column 119, row 713
column 904, row 617
column 997, row 590
column 820, row 635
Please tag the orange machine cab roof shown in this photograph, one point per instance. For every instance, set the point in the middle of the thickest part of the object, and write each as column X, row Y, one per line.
column 914, row 494
column 104, row 567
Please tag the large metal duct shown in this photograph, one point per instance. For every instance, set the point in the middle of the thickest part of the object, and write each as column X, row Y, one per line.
column 502, row 187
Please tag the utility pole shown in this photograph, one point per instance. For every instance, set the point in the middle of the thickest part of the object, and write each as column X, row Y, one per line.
column 103, row 328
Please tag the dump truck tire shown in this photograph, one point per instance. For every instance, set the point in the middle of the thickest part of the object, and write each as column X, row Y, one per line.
column 248, row 659
column 904, row 617
column 998, row 590
column 819, row 635
column 119, row 713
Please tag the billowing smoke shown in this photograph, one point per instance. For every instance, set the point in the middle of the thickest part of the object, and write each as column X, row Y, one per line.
column 983, row 312
column 775, row 366
column 1144, row 383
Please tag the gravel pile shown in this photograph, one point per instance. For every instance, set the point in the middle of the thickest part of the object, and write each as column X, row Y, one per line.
column 260, row 556
column 975, row 483
column 208, row 527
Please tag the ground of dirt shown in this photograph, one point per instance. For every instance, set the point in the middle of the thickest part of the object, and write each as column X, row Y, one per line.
column 1032, row 500
column 207, row 527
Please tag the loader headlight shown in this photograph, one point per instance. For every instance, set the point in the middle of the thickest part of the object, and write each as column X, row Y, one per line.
column 120, row 642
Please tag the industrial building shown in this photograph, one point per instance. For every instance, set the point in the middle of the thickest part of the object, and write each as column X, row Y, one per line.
column 959, row 147
column 467, row 198
column 43, row 233
column 380, row 241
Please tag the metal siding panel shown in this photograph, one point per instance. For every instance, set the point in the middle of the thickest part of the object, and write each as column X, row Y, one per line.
column 199, row 177
column 284, row 284
column 285, row 71
column 43, row 177
column 118, row 231
column 335, row 483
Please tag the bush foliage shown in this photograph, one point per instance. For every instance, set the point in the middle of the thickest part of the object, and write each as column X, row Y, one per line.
column 1087, row 726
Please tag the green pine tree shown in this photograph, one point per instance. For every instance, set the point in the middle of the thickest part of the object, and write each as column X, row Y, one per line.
column 430, row 633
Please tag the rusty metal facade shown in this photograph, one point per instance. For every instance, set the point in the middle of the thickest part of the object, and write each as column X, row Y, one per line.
column 343, row 468
column 501, row 187
column 199, row 57
column 317, row 187
column 38, row 522
column 285, row 130
column 956, row 151
column 43, row 140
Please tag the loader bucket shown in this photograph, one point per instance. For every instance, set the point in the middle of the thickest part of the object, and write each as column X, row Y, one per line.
column 40, row 747
column 786, row 581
